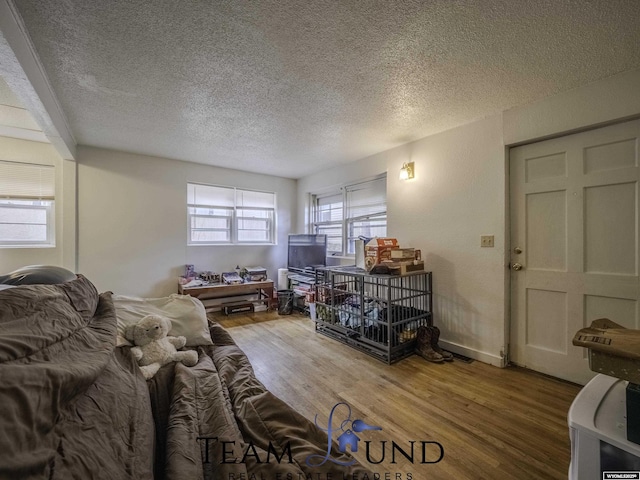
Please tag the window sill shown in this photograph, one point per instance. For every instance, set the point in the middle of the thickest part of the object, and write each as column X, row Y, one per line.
column 27, row 246
column 231, row 244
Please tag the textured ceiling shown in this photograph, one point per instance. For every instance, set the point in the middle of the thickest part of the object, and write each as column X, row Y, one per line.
column 290, row 87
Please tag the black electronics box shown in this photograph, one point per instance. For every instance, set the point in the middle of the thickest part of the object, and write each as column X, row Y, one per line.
column 237, row 307
column 633, row 413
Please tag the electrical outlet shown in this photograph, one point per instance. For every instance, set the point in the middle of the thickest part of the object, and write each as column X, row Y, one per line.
column 486, row 240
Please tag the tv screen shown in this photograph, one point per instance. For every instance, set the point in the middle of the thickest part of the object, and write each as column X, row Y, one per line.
column 307, row 251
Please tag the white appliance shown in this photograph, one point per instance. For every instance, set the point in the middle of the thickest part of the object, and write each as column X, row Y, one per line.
column 598, row 431
column 283, row 279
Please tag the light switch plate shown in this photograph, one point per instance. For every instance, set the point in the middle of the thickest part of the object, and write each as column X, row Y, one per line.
column 486, row 240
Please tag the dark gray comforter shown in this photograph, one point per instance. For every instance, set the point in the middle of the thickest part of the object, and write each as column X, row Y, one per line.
column 72, row 405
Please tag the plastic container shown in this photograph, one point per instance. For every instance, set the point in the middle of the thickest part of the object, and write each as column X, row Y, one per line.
column 283, row 278
column 598, row 431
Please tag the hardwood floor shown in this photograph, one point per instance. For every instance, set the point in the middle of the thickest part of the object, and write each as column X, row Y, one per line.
column 492, row 423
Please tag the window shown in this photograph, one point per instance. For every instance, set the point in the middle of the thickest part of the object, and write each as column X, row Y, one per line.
column 329, row 220
column 27, row 205
column 228, row 215
column 358, row 210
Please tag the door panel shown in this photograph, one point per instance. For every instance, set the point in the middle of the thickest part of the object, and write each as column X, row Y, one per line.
column 623, row 309
column 610, row 156
column 548, row 166
column 547, row 247
column 543, row 305
column 610, row 231
column 574, row 218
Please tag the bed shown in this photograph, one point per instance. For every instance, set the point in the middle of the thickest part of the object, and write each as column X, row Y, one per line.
column 75, row 405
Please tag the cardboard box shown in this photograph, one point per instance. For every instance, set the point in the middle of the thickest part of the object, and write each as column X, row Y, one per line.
column 613, row 349
column 403, row 254
column 615, row 366
column 377, row 250
column 402, row 268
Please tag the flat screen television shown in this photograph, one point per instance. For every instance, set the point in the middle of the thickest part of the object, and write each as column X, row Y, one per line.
column 307, row 252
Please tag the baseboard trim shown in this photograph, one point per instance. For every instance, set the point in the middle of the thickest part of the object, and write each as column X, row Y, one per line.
column 484, row 357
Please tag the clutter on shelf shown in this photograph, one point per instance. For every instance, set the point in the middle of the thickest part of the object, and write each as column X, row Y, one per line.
column 386, row 252
column 378, row 249
column 254, row 274
column 231, row 278
column 191, row 278
column 189, row 271
column 210, row 277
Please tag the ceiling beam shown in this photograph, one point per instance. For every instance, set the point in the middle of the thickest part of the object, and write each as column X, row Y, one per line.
column 21, row 68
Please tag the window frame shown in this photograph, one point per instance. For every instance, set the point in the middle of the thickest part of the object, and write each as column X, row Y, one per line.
column 196, row 215
column 29, row 191
column 234, row 218
column 318, row 226
column 347, row 222
column 269, row 221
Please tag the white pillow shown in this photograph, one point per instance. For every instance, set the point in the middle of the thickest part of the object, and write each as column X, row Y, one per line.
column 187, row 314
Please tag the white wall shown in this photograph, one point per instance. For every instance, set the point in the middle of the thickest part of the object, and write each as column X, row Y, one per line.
column 609, row 100
column 132, row 235
column 456, row 196
column 63, row 254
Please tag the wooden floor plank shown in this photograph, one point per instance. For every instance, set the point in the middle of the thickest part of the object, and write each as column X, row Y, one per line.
column 492, row 423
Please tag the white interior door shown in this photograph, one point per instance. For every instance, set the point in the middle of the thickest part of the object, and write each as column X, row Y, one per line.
column 574, row 220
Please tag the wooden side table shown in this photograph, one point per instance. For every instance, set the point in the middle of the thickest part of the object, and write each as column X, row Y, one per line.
column 205, row 292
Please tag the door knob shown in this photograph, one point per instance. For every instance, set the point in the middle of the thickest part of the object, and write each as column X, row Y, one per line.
column 516, row 266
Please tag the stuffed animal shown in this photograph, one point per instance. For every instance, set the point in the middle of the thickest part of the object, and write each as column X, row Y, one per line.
column 153, row 348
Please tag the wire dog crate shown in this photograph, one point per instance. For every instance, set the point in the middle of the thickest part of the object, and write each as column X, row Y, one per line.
column 378, row 314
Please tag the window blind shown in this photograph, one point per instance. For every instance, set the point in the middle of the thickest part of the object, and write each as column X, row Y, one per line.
column 209, row 195
column 253, row 199
column 27, row 181
column 367, row 199
column 329, row 208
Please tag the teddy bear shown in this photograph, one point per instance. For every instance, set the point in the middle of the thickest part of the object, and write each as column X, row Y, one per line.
column 154, row 348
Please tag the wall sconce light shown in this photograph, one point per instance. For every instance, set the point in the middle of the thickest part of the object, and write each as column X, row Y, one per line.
column 407, row 171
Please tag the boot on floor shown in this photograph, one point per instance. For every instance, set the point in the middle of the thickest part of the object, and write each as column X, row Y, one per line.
column 423, row 345
column 435, row 336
